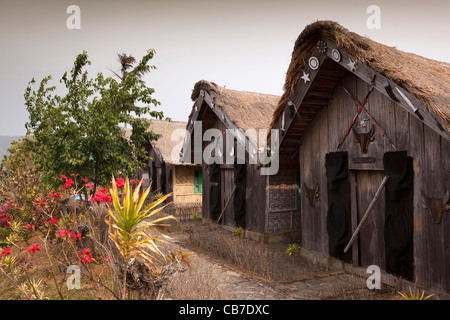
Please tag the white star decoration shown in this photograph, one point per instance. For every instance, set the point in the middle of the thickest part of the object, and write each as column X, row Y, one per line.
column 351, row 64
column 305, row 77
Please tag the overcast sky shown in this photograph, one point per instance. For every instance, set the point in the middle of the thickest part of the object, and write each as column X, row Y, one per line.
column 243, row 45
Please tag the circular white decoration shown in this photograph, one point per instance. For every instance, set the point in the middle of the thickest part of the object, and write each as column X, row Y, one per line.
column 336, row 55
column 313, row 63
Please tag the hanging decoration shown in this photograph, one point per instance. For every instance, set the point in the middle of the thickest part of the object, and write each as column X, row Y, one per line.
column 363, row 139
column 388, row 89
column 305, row 77
column 409, row 103
column 436, row 206
column 313, row 63
column 360, row 109
column 352, row 65
column 336, row 55
column 321, row 46
column 312, row 194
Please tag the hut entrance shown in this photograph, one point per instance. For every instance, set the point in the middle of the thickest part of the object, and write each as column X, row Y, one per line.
column 370, row 248
column 386, row 237
column 227, row 193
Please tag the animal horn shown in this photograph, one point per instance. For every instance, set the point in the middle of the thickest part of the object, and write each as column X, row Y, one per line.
column 424, row 199
column 446, row 197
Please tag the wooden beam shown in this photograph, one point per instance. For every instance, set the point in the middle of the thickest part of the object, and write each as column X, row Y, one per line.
column 366, row 214
column 301, row 90
column 354, row 215
column 366, row 73
column 226, row 205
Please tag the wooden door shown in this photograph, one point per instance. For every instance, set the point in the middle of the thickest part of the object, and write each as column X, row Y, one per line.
column 371, row 237
column 227, row 189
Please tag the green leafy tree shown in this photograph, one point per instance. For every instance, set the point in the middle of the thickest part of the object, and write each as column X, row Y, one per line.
column 20, row 182
column 80, row 132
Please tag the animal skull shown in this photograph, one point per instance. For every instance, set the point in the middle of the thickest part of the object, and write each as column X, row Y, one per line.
column 312, row 194
column 364, row 139
column 436, row 206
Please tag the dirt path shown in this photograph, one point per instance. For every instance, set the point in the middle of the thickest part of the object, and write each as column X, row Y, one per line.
column 228, row 282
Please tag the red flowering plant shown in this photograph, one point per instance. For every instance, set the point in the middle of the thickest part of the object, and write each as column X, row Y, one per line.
column 34, row 248
column 85, row 256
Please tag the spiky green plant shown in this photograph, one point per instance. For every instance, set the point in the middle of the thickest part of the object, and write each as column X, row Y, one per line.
column 293, row 249
column 130, row 223
column 414, row 295
column 238, row 231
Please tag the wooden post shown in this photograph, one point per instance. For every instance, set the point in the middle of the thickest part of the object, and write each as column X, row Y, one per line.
column 354, row 214
column 226, row 205
column 366, row 214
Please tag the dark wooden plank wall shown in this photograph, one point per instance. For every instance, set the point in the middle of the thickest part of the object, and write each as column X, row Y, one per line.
column 255, row 190
column 431, row 165
column 256, row 208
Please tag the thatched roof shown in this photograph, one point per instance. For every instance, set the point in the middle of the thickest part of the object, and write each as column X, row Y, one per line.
column 168, row 149
column 164, row 145
column 427, row 80
column 247, row 110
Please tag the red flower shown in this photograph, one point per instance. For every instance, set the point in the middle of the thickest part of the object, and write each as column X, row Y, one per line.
column 56, row 195
column 85, row 179
column 30, row 227
column 52, row 220
column 87, row 257
column 69, row 183
column 39, row 203
column 90, row 185
column 62, row 233
column 34, row 248
column 7, row 252
column 63, row 177
column 74, row 174
column 72, row 236
column 102, row 196
column 120, row 182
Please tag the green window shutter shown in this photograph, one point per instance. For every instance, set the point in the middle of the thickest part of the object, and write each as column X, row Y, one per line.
column 197, row 181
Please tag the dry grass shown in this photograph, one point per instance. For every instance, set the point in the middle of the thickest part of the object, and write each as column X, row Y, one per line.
column 268, row 262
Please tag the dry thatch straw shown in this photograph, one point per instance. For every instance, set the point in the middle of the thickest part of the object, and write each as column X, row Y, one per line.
column 247, row 110
column 168, row 149
column 425, row 79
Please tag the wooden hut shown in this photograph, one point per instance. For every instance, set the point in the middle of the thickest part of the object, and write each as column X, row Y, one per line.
column 369, row 126
column 167, row 174
column 235, row 192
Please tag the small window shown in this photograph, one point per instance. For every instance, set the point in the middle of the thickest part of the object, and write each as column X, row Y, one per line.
column 197, row 181
column 298, row 191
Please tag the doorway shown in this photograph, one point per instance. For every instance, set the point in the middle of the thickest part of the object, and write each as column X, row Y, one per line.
column 370, row 248
column 227, row 193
